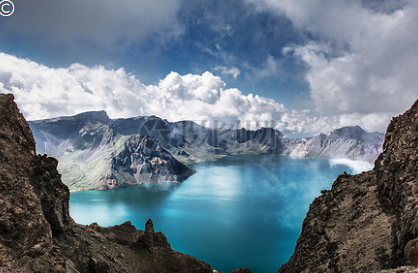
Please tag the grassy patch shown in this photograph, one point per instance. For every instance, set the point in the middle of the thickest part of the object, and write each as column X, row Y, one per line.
column 83, row 168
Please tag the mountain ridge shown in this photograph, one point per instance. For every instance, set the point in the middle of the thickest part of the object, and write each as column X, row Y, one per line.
column 350, row 142
column 87, row 145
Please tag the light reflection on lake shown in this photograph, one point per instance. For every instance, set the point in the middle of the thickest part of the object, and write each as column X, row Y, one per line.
column 234, row 212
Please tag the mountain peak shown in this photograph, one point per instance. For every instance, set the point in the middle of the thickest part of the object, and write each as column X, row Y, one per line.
column 100, row 116
column 90, row 116
column 352, row 132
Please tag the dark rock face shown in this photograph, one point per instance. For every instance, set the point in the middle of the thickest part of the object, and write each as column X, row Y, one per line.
column 367, row 222
column 345, row 230
column 37, row 233
column 143, row 159
column 23, row 227
column 397, row 171
column 53, row 194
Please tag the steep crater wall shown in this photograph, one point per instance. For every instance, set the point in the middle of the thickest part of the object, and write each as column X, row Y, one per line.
column 367, row 222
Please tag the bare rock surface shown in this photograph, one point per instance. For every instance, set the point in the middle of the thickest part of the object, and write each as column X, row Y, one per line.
column 144, row 159
column 367, row 222
column 24, row 231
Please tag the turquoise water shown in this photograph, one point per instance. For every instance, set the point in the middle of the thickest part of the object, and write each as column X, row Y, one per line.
column 234, row 212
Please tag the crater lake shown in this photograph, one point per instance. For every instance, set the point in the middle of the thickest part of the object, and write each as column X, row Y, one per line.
column 238, row 211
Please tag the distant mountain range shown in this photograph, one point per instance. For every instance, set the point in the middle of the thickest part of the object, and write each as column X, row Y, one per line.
column 96, row 152
column 347, row 142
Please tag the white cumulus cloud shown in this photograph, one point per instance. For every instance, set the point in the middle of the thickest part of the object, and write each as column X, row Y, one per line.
column 43, row 92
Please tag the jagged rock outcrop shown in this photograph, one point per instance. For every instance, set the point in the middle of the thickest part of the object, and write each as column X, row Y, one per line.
column 367, row 222
column 37, row 233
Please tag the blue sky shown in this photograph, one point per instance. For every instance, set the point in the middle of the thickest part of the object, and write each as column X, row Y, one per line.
column 308, row 65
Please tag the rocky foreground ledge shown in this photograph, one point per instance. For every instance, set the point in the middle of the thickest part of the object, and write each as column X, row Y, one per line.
column 367, row 222
column 37, row 233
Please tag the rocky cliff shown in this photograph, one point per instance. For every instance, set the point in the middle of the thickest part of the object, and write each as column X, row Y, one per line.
column 37, row 233
column 367, row 222
column 143, row 159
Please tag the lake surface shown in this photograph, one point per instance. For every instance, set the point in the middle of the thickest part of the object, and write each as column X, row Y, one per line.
column 238, row 211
